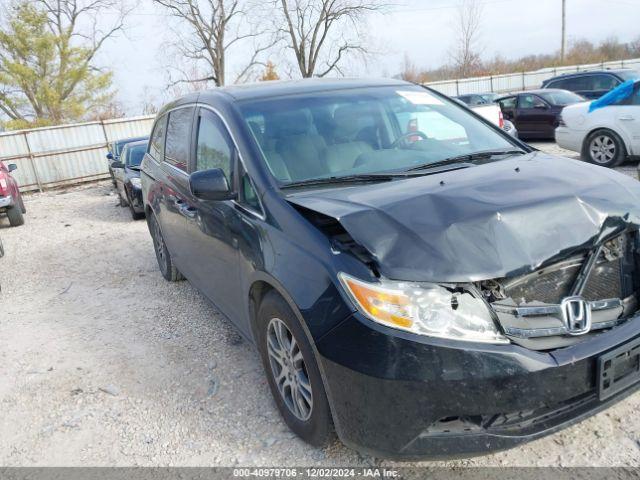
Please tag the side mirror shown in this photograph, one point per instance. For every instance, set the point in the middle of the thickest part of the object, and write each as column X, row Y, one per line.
column 12, row 166
column 210, row 185
column 109, row 156
column 117, row 165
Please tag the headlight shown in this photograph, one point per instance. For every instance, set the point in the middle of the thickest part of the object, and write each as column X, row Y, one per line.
column 135, row 181
column 425, row 309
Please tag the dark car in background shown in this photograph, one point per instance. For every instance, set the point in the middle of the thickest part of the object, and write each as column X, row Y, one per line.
column 127, row 176
column 115, row 150
column 11, row 201
column 441, row 292
column 591, row 84
column 536, row 113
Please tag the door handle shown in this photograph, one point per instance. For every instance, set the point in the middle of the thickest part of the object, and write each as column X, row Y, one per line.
column 626, row 118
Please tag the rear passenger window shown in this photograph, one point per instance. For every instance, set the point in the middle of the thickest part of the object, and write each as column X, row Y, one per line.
column 156, row 145
column 604, row 82
column 214, row 146
column 178, row 138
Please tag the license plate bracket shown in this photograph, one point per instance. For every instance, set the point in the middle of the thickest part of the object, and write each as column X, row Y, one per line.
column 618, row 369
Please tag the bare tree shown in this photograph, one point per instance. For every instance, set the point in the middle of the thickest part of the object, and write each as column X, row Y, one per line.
column 322, row 33
column 466, row 51
column 213, row 27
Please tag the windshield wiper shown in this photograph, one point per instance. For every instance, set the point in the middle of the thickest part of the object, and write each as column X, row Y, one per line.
column 469, row 157
column 370, row 177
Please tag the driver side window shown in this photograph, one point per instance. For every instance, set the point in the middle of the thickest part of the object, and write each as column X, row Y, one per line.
column 530, row 101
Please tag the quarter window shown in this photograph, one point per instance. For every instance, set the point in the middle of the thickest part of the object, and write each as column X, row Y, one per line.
column 156, row 145
column 214, row 147
column 179, row 138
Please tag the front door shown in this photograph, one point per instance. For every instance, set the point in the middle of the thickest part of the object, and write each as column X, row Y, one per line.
column 533, row 117
column 627, row 117
column 211, row 225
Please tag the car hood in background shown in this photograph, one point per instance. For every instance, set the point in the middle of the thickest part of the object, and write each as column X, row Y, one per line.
column 496, row 220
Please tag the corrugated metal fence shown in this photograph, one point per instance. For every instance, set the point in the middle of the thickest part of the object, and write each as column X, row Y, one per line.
column 66, row 154
column 519, row 81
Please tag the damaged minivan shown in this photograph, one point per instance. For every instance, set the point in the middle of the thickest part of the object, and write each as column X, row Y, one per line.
column 414, row 278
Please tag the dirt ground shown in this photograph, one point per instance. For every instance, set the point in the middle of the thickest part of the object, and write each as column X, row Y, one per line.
column 104, row 363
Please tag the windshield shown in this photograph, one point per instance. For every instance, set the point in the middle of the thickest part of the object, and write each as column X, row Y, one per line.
column 629, row 75
column 135, row 154
column 561, row 98
column 363, row 131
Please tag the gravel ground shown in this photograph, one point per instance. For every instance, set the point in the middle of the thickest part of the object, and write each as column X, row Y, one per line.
column 104, row 363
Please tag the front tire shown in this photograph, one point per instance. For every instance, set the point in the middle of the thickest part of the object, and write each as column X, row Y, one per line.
column 168, row 270
column 15, row 216
column 292, row 372
column 604, row 148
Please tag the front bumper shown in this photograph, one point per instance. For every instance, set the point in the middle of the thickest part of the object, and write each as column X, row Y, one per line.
column 397, row 396
column 569, row 139
column 6, row 202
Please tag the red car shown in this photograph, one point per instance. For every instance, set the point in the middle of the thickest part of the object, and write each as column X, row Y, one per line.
column 10, row 199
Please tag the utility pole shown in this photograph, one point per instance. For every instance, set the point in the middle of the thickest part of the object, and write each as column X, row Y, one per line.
column 564, row 30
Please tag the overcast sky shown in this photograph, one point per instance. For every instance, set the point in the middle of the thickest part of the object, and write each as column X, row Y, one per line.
column 422, row 29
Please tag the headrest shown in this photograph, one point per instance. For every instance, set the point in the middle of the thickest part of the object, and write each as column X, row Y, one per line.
column 294, row 122
column 348, row 120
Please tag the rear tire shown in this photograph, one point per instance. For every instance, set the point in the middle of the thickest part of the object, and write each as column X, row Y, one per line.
column 167, row 269
column 292, row 372
column 604, row 148
column 15, row 216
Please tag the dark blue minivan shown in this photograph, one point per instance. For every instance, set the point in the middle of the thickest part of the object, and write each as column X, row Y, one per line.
column 414, row 278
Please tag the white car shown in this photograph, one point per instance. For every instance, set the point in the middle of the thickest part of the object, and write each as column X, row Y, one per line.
column 606, row 136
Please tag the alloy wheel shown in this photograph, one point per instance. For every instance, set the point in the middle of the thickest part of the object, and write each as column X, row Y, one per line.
column 602, row 149
column 289, row 369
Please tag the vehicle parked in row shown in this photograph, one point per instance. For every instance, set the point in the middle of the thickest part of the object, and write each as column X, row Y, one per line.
column 115, row 150
column 591, row 84
column 606, row 136
column 536, row 113
column 11, row 201
column 441, row 292
column 127, row 176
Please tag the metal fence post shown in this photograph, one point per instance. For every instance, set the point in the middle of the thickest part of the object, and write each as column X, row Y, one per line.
column 104, row 132
column 457, row 87
column 491, row 82
column 523, row 84
column 32, row 161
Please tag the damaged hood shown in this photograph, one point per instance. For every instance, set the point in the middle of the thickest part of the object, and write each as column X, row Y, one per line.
column 496, row 220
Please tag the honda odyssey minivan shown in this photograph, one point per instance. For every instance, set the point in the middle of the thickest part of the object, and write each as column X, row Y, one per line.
column 439, row 291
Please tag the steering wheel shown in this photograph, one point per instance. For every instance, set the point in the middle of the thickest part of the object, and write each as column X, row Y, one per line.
column 404, row 137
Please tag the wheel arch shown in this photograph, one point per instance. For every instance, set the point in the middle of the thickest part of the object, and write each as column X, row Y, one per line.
column 261, row 285
column 625, row 141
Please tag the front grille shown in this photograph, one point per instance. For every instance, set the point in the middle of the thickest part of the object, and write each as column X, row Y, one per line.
column 546, row 286
column 604, row 282
column 552, row 284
